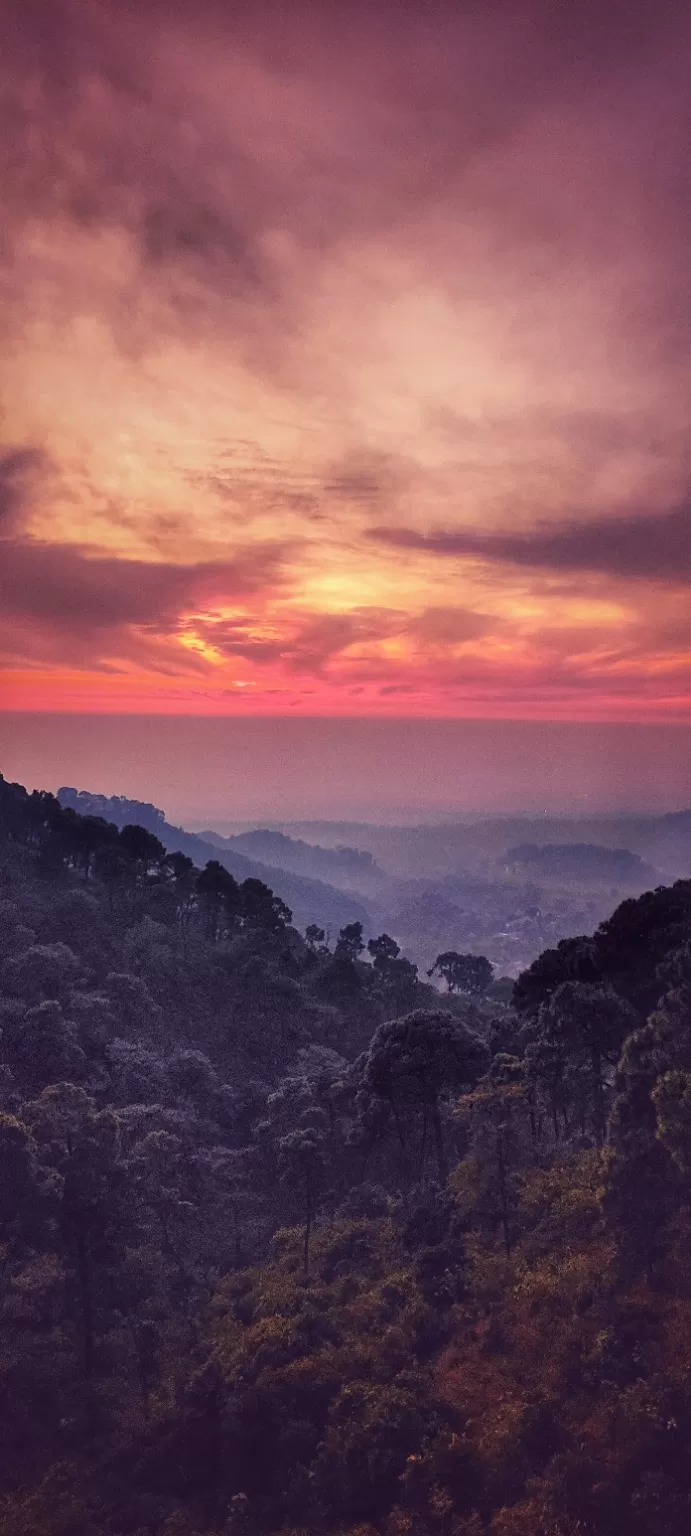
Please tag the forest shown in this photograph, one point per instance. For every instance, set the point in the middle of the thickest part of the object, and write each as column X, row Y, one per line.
column 297, row 1239
column 507, row 888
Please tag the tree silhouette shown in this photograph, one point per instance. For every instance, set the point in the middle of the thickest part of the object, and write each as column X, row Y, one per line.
column 350, row 943
column 415, row 1061
column 301, row 1160
column 589, row 1024
column 469, row 974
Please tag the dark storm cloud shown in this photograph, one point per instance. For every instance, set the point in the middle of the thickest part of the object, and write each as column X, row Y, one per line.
column 647, row 546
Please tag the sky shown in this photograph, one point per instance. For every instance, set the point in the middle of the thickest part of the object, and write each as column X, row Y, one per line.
column 211, row 770
column 344, row 360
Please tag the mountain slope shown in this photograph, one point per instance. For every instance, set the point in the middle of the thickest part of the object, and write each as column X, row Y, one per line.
column 310, row 901
column 352, row 868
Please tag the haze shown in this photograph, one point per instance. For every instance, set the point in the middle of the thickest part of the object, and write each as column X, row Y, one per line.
column 206, row 771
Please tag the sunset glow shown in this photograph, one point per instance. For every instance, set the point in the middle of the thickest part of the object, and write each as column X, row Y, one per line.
column 345, row 364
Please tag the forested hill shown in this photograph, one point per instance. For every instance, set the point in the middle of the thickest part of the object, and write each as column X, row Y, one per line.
column 347, row 866
column 291, row 1244
column 310, row 900
column 581, row 861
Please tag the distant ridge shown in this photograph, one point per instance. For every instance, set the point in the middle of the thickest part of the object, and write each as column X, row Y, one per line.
column 310, row 901
column 581, row 861
column 351, row 867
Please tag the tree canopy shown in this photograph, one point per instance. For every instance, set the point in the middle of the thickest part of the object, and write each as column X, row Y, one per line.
column 295, row 1244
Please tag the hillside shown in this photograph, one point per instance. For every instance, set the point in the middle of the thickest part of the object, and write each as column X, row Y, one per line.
column 508, row 887
column 473, row 845
column 590, row 863
column 311, row 901
column 292, row 1244
column 351, row 868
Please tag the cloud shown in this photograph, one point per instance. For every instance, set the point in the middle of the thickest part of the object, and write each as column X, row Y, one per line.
column 307, row 643
column 273, row 274
column 648, row 547
column 238, row 150
column 326, row 636
column 368, row 477
column 18, row 470
column 60, row 601
column 451, row 626
column 235, row 637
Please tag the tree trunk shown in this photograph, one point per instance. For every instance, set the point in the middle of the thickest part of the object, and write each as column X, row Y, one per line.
column 84, row 1279
column 599, row 1097
column 423, row 1142
column 503, row 1194
column 404, row 1150
column 309, row 1212
column 439, row 1143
